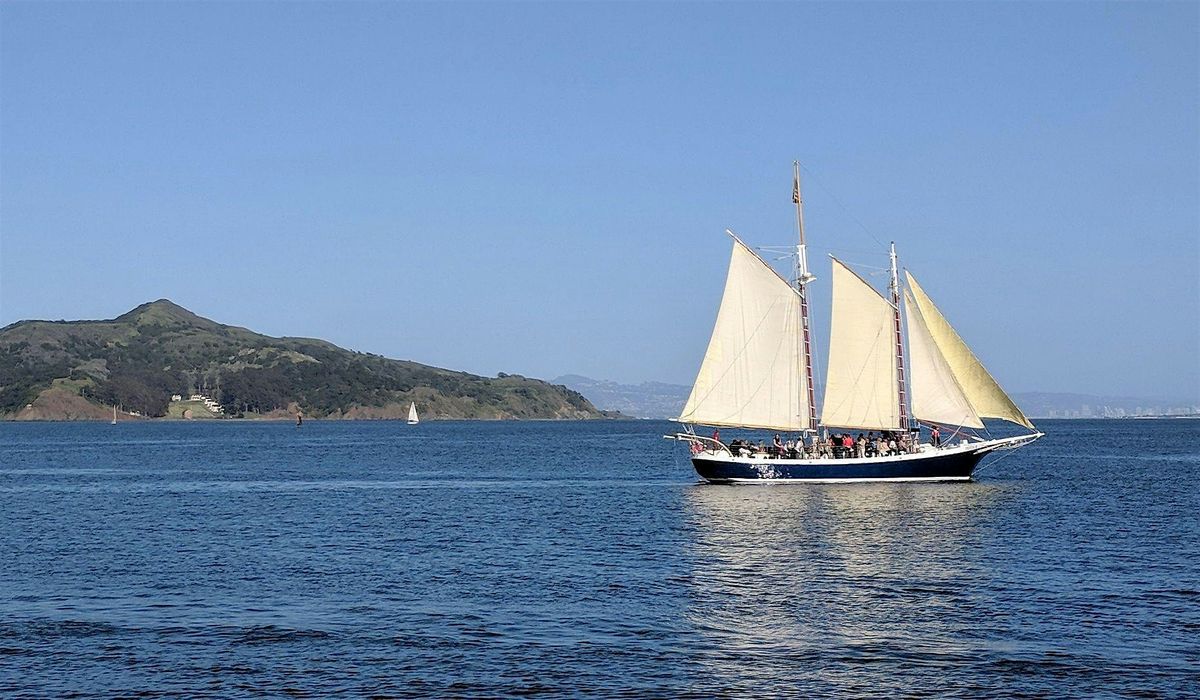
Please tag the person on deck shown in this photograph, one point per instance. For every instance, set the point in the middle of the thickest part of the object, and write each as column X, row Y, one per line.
column 935, row 436
column 777, row 446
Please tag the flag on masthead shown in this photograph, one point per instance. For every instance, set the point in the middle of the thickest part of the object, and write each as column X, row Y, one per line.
column 796, row 191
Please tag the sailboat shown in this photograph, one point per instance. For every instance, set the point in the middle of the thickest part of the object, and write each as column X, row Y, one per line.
column 757, row 373
column 114, row 420
column 412, row 413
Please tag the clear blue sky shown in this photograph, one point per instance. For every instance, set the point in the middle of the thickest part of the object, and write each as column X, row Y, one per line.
column 542, row 189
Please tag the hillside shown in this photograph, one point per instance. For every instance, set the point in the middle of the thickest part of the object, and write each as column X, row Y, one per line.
column 74, row 369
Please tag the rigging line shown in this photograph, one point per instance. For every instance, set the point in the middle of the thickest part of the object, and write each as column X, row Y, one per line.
column 1006, row 455
column 853, row 251
column 843, row 206
column 818, row 375
column 869, row 267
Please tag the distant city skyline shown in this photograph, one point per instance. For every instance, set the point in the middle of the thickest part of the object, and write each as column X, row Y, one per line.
column 542, row 189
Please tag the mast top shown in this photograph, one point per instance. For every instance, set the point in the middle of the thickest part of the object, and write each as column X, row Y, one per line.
column 803, row 276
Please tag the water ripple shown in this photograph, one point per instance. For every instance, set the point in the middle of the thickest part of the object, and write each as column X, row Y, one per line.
column 228, row 560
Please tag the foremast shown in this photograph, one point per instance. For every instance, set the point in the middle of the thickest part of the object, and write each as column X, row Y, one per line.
column 803, row 277
column 894, row 287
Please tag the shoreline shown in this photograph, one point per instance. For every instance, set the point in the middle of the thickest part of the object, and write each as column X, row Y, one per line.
column 326, row 420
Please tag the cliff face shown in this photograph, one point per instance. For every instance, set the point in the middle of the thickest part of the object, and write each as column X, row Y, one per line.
column 56, row 370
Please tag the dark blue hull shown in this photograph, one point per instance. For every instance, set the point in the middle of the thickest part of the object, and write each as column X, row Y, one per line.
column 946, row 466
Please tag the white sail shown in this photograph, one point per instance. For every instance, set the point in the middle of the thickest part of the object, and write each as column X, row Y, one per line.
column 862, row 389
column 935, row 393
column 752, row 375
column 412, row 413
column 985, row 395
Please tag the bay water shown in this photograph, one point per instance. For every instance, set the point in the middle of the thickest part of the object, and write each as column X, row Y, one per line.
column 457, row 559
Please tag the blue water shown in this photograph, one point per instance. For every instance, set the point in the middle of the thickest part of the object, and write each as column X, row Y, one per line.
column 485, row 559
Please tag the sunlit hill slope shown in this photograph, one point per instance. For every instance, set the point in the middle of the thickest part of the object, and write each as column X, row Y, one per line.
column 72, row 370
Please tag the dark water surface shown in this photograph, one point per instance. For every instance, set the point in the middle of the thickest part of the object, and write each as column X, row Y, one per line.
column 461, row 559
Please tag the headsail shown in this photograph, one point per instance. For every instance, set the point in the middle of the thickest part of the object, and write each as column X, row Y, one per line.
column 981, row 390
column 752, row 375
column 936, row 395
column 862, row 389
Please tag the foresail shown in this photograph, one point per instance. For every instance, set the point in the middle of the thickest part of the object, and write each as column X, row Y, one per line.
column 752, row 374
column 862, row 389
column 978, row 386
column 936, row 396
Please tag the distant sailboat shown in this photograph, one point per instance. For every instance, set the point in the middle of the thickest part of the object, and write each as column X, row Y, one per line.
column 114, row 420
column 412, row 414
column 758, row 374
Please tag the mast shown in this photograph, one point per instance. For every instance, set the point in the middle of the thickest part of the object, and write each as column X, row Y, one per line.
column 894, row 286
column 803, row 277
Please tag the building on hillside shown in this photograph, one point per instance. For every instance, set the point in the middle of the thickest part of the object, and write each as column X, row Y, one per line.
column 208, row 402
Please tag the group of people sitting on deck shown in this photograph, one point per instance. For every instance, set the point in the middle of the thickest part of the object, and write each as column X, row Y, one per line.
column 835, row 446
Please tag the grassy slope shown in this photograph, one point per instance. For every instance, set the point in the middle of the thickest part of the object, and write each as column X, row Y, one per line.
column 142, row 357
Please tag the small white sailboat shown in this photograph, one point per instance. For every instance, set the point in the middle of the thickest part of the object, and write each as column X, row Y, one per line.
column 114, row 420
column 758, row 374
column 412, row 414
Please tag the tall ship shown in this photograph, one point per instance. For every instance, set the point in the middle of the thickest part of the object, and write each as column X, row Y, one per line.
column 904, row 397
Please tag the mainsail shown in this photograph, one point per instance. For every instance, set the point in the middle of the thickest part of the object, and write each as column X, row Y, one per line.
column 936, row 395
column 752, row 375
column 862, row 389
column 977, row 386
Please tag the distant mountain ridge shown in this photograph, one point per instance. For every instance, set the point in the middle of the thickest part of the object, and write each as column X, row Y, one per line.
column 645, row 400
column 64, row 370
column 662, row 400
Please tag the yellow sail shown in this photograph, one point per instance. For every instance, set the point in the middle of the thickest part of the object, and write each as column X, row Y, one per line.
column 978, row 386
column 752, row 374
column 935, row 393
column 862, row 390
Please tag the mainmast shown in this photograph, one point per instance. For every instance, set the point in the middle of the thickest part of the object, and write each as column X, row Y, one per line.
column 894, row 286
column 803, row 277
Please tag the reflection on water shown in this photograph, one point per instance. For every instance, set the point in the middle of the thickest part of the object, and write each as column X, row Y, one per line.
column 819, row 575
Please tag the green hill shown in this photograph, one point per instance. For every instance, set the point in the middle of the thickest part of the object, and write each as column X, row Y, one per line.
column 72, row 369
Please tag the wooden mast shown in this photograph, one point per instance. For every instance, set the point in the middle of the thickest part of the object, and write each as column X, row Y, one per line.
column 895, row 289
column 803, row 277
